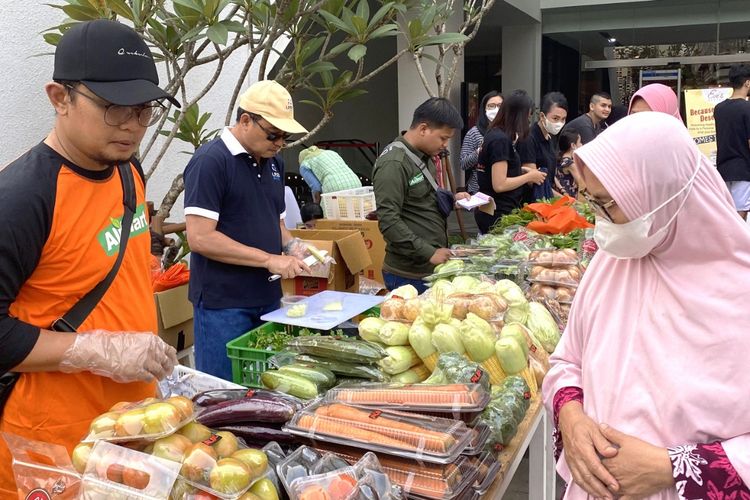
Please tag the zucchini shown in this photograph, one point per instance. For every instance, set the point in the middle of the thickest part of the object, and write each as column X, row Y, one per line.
column 349, row 350
column 290, row 383
column 322, row 377
column 345, row 369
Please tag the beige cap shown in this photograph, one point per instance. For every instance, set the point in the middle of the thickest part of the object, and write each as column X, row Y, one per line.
column 272, row 101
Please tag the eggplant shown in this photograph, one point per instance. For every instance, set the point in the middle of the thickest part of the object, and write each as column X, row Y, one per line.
column 210, row 398
column 261, row 407
column 257, row 434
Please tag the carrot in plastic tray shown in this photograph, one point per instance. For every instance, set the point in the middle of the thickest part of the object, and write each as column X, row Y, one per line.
column 418, row 479
column 451, row 397
column 429, row 438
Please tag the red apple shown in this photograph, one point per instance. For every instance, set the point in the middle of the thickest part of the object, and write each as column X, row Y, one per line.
column 198, row 462
column 227, row 445
column 195, row 432
column 81, row 455
column 130, row 423
column 230, row 476
column 183, row 404
column 104, row 425
column 172, row 447
column 160, row 417
column 135, row 478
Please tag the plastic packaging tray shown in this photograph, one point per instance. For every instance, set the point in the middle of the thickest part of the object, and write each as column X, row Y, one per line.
column 488, row 468
column 452, row 398
column 553, row 257
column 418, row 437
column 419, row 480
column 479, row 436
column 562, row 294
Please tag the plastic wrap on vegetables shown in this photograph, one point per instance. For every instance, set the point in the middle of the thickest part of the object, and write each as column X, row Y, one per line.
column 543, row 326
column 518, row 306
column 453, row 368
column 511, row 355
column 345, row 349
column 399, row 359
column 345, row 369
column 446, row 338
column 394, row 333
column 435, row 311
column 420, row 339
column 479, row 340
column 369, row 328
column 414, row 375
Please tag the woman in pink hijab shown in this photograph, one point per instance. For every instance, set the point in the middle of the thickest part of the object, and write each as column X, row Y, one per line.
column 649, row 384
column 655, row 97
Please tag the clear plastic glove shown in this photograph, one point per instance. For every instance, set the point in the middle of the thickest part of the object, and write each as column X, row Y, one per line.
column 121, row 356
column 296, row 248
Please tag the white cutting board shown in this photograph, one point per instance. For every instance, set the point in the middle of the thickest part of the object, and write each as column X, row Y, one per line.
column 315, row 317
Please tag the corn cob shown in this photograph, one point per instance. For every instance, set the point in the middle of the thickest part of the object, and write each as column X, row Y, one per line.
column 431, row 361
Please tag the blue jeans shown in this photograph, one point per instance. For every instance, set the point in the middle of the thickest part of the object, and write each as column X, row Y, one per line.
column 214, row 328
column 393, row 281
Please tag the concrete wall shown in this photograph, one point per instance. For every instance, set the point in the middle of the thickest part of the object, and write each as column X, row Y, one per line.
column 522, row 59
column 28, row 116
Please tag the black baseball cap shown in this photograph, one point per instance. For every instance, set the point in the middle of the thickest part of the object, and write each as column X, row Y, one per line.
column 112, row 60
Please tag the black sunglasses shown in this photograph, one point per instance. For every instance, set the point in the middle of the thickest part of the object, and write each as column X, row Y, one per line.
column 271, row 136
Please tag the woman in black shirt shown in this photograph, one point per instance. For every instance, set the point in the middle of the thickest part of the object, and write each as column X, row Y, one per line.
column 499, row 171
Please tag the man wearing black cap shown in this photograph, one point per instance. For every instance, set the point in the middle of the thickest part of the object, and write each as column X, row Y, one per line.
column 62, row 207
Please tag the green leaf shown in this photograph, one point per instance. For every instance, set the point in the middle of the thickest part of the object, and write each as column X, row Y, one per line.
column 327, row 78
column 360, row 25
column 383, row 31
column 415, row 29
column 357, row 52
column 340, row 48
column 80, row 13
column 234, row 26
column 120, row 8
column 116, row 223
column 52, row 38
column 190, row 4
column 336, row 22
column 363, row 9
column 351, row 94
column 218, row 34
column 309, row 48
column 311, row 103
column 319, row 67
column 444, row 38
column 381, row 13
column 192, row 34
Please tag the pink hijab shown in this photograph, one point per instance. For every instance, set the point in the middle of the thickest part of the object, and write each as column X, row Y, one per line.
column 659, row 98
column 661, row 345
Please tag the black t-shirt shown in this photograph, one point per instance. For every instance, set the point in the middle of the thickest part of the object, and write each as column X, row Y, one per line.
column 732, row 133
column 498, row 147
column 539, row 150
column 246, row 198
column 585, row 127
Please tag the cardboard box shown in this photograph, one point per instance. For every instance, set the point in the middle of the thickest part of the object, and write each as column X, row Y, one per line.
column 373, row 241
column 348, row 250
column 175, row 316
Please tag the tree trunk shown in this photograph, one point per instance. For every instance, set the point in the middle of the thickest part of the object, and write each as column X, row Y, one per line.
column 178, row 186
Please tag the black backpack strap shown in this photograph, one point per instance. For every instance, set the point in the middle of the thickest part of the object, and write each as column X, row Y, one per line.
column 79, row 312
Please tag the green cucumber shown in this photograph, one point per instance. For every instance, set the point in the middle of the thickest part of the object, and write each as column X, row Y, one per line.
column 291, row 384
column 321, row 376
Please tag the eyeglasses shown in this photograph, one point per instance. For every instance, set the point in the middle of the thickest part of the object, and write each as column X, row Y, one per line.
column 600, row 209
column 270, row 135
column 492, row 105
column 116, row 114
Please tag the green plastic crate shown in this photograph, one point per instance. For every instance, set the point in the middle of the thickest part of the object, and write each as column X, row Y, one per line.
column 248, row 364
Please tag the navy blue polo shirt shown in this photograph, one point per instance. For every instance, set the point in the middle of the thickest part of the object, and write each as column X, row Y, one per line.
column 246, row 198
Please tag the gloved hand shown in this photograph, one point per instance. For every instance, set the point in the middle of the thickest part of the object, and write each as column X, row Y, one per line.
column 296, row 248
column 121, row 356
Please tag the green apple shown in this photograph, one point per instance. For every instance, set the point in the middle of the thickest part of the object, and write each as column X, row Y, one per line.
column 130, row 423
column 81, row 455
column 198, row 462
column 227, row 445
column 256, row 460
column 195, row 432
column 230, row 476
column 160, row 417
column 172, row 447
column 104, row 425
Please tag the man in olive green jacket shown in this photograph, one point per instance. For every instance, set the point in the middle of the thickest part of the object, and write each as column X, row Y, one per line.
column 414, row 229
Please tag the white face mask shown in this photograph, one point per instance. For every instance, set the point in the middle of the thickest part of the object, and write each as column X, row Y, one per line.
column 491, row 114
column 553, row 128
column 631, row 240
